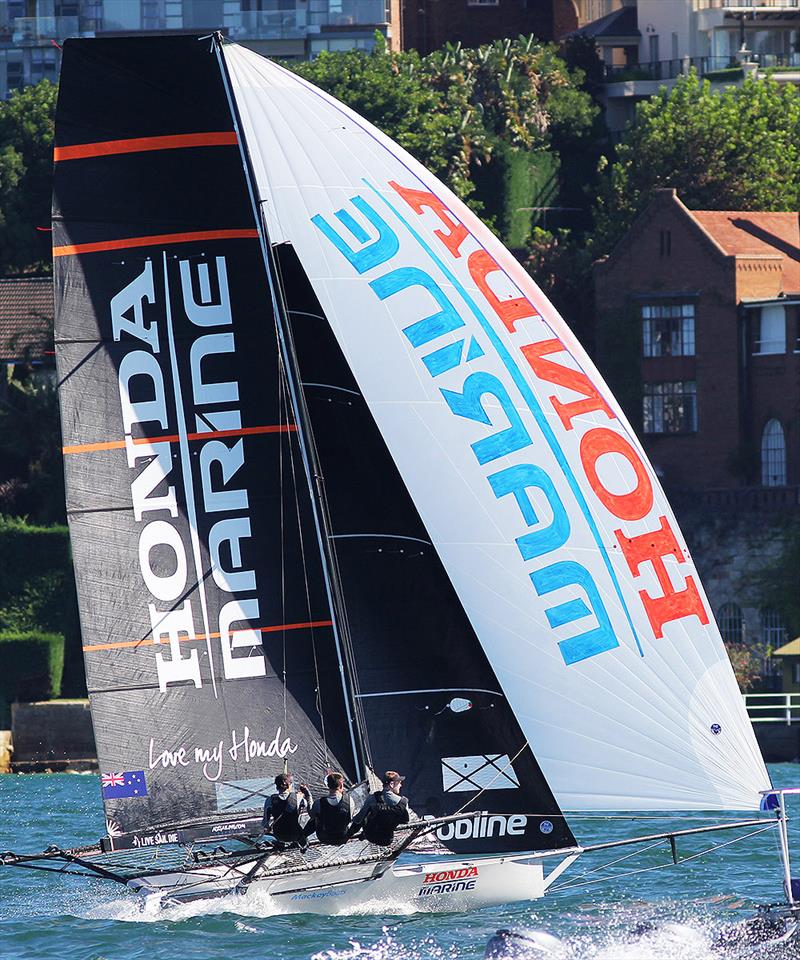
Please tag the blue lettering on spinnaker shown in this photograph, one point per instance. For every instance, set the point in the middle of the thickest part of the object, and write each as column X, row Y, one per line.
column 423, row 331
column 379, row 251
column 512, row 437
column 469, row 404
column 517, row 480
column 566, row 573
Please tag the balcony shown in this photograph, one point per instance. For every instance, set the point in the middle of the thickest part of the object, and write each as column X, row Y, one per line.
column 276, row 23
column 35, row 31
column 346, row 13
column 748, row 6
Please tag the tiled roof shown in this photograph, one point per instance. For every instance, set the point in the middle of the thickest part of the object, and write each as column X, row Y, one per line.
column 619, row 23
column 26, row 318
column 756, row 234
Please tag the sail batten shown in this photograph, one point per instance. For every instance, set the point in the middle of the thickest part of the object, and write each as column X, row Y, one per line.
column 542, row 506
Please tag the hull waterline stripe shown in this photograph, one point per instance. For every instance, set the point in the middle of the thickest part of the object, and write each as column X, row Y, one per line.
column 156, row 240
column 173, row 438
column 109, row 148
column 149, row 641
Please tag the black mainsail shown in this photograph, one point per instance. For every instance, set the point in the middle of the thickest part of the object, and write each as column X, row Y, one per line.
column 206, row 628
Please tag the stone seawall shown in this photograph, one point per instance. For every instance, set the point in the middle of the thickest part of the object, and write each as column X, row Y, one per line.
column 52, row 736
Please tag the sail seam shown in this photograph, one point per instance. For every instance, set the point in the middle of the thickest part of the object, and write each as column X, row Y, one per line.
column 398, row 693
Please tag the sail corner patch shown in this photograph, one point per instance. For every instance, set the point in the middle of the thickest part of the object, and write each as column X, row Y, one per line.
column 491, row 771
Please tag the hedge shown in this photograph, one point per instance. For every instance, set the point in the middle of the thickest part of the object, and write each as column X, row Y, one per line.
column 31, row 667
column 37, row 590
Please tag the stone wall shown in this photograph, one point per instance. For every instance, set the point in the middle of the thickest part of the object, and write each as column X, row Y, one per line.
column 730, row 546
column 56, row 735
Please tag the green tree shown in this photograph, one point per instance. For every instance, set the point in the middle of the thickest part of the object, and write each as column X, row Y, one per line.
column 32, row 472
column 731, row 149
column 453, row 107
column 26, row 164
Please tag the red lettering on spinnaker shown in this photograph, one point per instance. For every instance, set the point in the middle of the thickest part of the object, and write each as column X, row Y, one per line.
column 635, row 504
column 456, row 234
column 561, row 376
column 673, row 604
column 481, row 264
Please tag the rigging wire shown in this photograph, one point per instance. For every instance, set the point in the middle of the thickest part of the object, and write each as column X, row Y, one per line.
column 659, row 866
column 281, row 416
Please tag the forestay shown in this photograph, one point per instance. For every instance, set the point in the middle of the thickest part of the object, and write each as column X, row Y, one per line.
column 538, row 497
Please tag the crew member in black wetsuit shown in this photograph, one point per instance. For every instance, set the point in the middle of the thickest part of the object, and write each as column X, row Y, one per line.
column 331, row 815
column 383, row 812
column 282, row 811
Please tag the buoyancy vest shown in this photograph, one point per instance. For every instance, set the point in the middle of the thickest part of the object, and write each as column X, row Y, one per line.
column 384, row 818
column 333, row 820
column 284, row 813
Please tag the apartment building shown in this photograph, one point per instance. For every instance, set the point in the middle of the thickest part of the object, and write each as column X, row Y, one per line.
column 31, row 30
column 647, row 44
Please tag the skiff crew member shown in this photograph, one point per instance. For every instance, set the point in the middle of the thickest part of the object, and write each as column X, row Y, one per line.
column 282, row 810
column 382, row 812
column 331, row 815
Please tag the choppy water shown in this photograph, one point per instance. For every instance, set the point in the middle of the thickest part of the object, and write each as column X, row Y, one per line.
column 65, row 918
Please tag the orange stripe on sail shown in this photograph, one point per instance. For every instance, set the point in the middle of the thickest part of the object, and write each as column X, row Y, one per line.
column 154, row 241
column 174, row 438
column 107, row 148
column 149, row 641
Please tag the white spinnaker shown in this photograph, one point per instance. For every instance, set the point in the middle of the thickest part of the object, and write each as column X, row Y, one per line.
column 651, row 723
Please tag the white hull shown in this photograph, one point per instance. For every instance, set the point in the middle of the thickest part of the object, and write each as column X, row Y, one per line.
column 443, row 887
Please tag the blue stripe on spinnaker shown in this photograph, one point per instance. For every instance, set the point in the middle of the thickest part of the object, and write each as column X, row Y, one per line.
column 530, row 399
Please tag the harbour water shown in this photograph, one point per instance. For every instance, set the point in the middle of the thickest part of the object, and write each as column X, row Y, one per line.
column 670, row 913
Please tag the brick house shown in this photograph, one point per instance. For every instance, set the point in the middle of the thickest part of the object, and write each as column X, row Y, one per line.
column 700, row 324
column 26, row 326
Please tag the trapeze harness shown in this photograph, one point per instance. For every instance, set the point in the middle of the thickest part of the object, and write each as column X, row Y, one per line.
column 333, row 820
column 383, row 820
column 285, row 815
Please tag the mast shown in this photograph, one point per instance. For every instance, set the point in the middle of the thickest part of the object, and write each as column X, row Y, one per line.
column 313, row 472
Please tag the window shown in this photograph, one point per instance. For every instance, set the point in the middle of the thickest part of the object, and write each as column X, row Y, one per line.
column 483, row 3
column 670, row 407
column 665, row 243
column 653, row 48
column 773, row 455
column 769, row 329
column 668, row 330
column 773, row 632
column 731, row 623
column 796, row 673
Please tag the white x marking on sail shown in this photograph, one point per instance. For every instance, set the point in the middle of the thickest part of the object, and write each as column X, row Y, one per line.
column 492, row 771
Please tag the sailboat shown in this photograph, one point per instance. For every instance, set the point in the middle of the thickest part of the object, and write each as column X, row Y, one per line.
column 345, row 492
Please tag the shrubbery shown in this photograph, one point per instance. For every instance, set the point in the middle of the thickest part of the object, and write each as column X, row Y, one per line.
column 31, row 668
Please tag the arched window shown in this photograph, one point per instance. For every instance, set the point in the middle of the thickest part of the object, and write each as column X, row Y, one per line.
column 773, row 632
column 773, row 455
column 731, row 623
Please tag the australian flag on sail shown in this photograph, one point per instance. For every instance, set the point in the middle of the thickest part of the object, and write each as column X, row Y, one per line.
column 118, row 786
